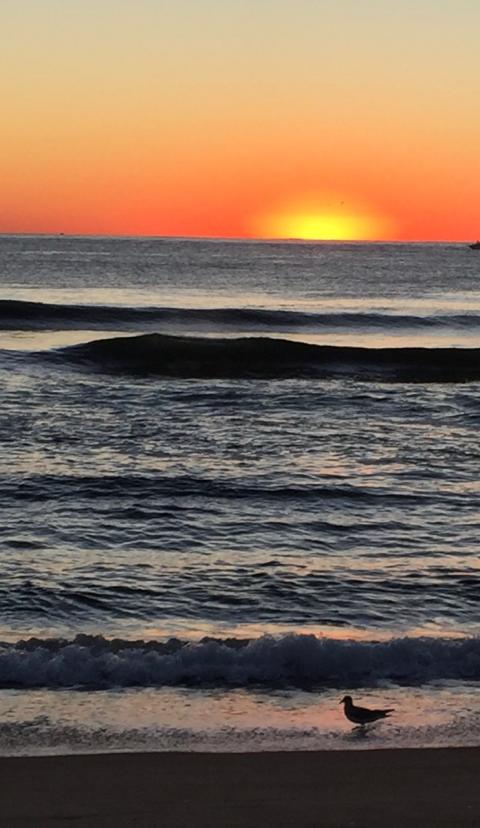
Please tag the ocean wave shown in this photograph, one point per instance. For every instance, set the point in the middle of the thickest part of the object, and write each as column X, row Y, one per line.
column 24, row 315
column 95, row 662
column 45, row 487
column 263, row 358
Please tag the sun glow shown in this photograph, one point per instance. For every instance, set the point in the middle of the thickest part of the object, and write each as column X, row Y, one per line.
column 322, row 219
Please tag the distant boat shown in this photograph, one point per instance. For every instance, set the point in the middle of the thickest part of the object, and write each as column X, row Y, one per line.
column 475, row 246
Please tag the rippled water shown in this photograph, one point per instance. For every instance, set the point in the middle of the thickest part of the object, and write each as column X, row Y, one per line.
column 144, row 501
column 280, row 503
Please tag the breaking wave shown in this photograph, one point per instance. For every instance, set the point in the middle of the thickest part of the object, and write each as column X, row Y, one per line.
column 95, row 662
column 263, row 357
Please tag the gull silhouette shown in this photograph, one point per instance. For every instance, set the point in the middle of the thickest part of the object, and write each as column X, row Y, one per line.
column 362, row 715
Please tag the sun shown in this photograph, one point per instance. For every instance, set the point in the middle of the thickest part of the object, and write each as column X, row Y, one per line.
column 322, row 227
column 327, row 218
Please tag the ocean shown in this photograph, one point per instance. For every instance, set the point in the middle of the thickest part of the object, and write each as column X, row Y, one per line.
column 238, row 480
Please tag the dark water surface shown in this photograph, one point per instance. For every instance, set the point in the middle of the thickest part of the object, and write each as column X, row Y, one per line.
column 195, row 483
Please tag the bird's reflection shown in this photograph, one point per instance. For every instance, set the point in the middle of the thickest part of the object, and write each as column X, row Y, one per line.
column 360, row 733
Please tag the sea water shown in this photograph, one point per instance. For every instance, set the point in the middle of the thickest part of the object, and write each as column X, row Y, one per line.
column 237, row 480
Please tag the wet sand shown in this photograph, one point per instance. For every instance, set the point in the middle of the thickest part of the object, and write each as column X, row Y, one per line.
column 355, row 789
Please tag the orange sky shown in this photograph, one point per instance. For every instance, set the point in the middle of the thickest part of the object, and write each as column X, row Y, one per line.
column 241, row 117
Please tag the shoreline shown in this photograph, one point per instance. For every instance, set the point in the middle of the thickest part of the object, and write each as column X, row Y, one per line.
column 398, row 788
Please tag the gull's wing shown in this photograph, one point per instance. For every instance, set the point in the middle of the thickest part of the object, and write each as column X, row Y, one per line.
column 362, row 711
column 367, row 714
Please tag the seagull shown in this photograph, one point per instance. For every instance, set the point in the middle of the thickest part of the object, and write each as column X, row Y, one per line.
column 362, row 715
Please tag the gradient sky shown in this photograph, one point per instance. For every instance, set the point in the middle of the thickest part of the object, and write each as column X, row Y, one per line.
column 241, row 117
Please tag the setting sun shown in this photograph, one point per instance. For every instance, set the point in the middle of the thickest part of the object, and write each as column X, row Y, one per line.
column 322, row 219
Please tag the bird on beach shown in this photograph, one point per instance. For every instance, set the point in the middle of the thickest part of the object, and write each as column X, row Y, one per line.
column 362, row 715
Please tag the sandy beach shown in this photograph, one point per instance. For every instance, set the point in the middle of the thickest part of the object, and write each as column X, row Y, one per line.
column 362, row 789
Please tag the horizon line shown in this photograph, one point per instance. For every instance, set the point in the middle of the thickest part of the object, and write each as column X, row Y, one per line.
column 242, row 239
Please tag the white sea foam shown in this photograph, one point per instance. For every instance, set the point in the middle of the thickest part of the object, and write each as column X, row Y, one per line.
column 295, row 660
